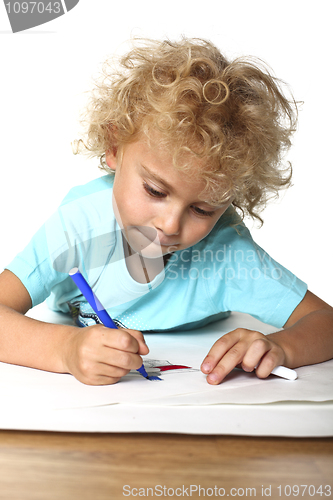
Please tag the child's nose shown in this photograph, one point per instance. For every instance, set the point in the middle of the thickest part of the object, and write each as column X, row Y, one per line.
column 169, row 223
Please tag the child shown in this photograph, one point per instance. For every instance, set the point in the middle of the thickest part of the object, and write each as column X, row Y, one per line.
column 190, row 143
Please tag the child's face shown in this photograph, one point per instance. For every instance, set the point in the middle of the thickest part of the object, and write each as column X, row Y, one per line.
column 157, row 206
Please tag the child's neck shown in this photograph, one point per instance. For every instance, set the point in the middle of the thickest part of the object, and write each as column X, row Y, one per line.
column 141, row 269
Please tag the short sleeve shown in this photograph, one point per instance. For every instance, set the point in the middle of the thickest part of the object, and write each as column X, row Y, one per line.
column 79, row 234
column 246, row 279
column 33, row 266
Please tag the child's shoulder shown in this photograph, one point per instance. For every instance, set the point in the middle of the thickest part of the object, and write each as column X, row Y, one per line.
column 90, row 188
column 232, row 223
column 230, row 230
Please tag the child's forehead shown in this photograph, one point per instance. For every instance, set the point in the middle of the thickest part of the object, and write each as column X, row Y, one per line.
column 156, row 152
column 182, row 152
column 163, row 163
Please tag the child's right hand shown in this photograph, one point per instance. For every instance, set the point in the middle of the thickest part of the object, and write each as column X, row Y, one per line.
column 97, row 355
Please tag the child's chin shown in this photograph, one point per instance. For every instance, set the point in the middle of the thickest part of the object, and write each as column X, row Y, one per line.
column 153, row 251
column 142, row 244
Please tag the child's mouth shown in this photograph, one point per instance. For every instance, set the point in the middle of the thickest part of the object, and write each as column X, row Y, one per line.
column 144, row 236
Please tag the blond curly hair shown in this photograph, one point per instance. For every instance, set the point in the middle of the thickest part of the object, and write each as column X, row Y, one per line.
column 231, row 114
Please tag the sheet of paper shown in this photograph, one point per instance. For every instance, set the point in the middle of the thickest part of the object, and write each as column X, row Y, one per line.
column 178, row 357
column 182, row 402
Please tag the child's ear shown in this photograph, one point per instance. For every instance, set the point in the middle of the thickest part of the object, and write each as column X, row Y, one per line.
column 111, row 158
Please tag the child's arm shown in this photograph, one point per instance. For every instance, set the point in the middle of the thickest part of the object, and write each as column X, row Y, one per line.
column 306, row 339
column 94, row 355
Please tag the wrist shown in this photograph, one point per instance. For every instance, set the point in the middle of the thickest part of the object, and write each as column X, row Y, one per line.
column 64, row 349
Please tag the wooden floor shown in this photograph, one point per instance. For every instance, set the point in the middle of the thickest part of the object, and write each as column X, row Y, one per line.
column 43, row 466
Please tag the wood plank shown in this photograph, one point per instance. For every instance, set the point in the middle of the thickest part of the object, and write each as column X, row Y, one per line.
column 48, row 466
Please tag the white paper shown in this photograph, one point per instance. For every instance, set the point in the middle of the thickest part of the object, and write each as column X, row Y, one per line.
column 186, row 386
column 183, row 402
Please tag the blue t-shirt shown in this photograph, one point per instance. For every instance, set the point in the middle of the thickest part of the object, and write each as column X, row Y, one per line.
column 226, row 271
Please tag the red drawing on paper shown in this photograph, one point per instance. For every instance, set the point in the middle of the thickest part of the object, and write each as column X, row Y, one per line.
column 159, row 367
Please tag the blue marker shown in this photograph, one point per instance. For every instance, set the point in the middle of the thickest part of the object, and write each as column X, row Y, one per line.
column 91, row 298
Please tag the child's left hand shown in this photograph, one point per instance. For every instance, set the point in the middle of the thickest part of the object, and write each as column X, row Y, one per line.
column 242, row 347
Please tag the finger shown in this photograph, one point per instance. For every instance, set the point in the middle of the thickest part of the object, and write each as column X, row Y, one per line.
column 120, row 359
column 99, row 374
column 270, row 360
column 102, row 380
column 228, row 362
column 219, row 349
column 120, row 339
column 143, row 348
column 110, row 371
column 254, row 354
column 126, row 340
column 107, row 370
column 263, row 356
column 99, row 380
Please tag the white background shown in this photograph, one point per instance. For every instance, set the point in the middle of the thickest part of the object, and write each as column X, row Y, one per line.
column 45, row 72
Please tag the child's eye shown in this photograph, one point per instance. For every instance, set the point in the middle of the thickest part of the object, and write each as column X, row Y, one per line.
column 202, row 213
column 153, row 192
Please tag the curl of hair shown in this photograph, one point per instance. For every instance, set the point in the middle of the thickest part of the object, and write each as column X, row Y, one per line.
column 231, row 114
